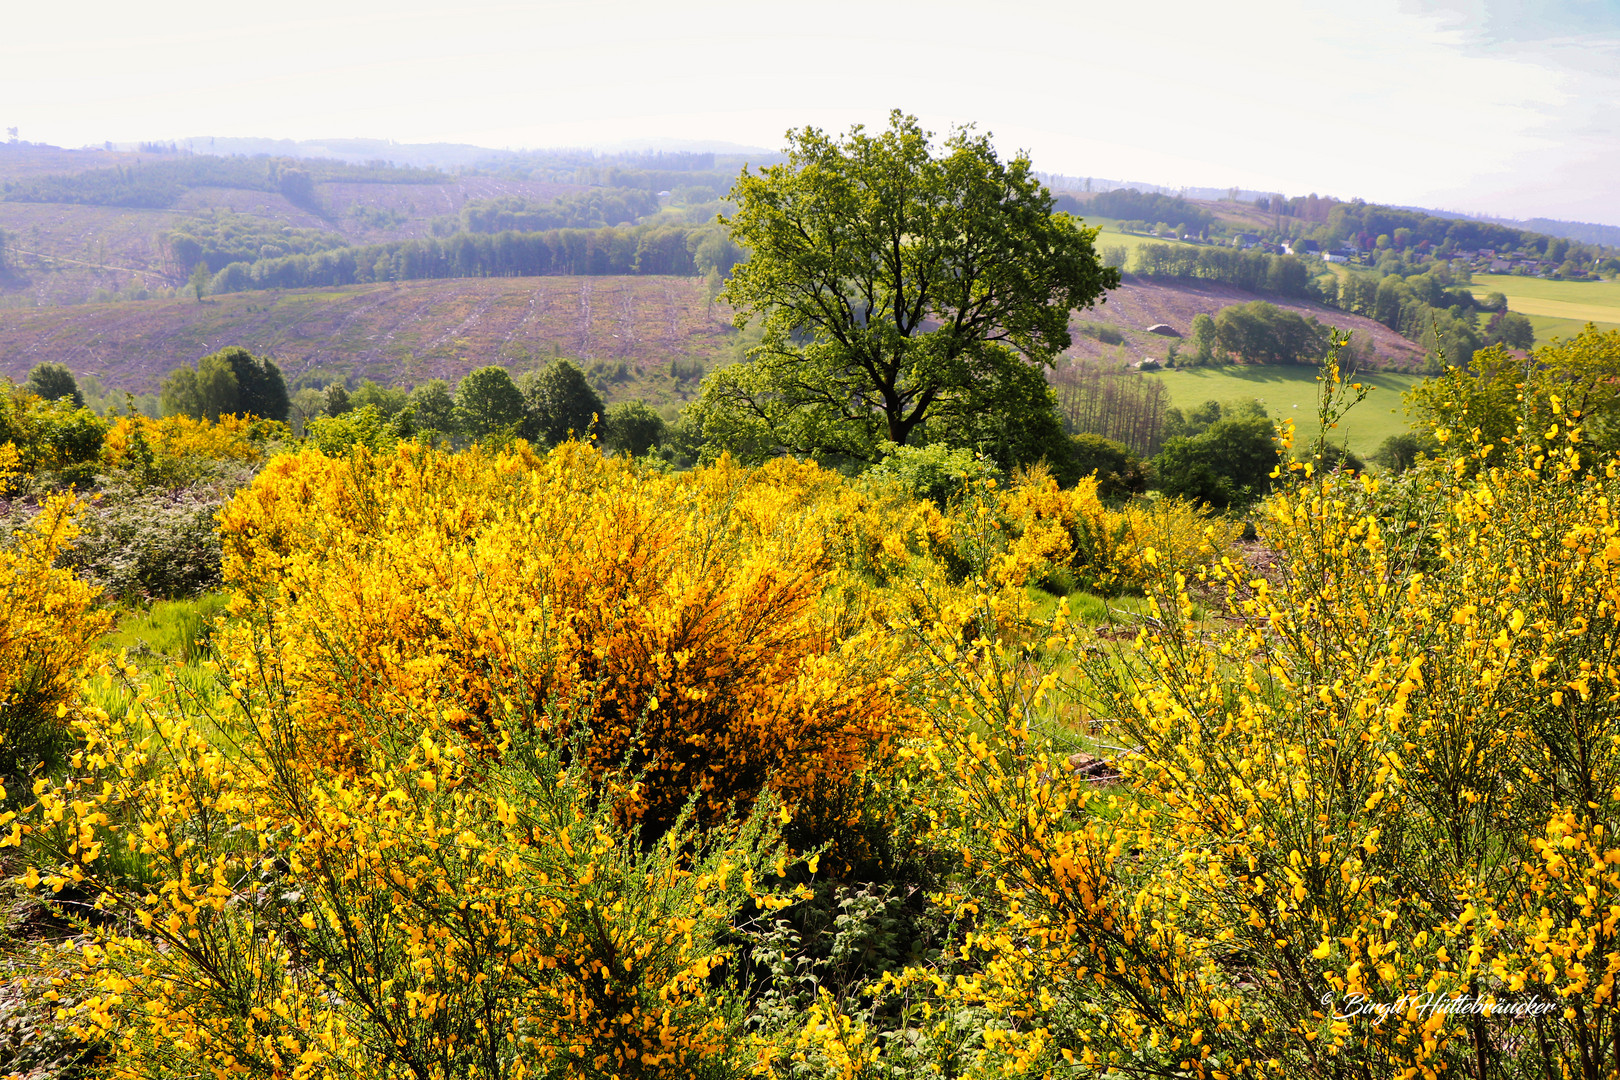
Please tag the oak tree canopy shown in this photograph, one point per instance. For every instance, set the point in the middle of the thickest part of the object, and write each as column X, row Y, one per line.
column 901, row 293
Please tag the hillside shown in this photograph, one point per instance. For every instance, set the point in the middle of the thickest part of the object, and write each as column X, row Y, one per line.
column 397, row 334
column 67, row 253
column 1141, row 302
column 627, row 331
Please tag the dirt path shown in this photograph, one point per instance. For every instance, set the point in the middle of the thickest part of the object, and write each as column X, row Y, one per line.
column 93, row 266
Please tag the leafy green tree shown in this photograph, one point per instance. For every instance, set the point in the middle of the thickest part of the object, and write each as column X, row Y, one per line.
column 1204, row 341
column 261, row 389
column 1228, row 466
column 893, row 286
column 433, row 410
column 1400, row 452
column 561, row 403
column 489, row 404
column 230, row 381
column 1016, row 424
column 935, row 472
column 198, row 282
column 1511, row 329
column 206, row 392
column 1488, row 401
column 54, row 382
column 1119, row 472
column 389, row 400
column 337, row 400
column 633, row 428
column 365, row 426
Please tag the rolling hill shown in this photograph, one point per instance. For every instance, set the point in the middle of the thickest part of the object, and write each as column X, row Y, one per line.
column 396, row 333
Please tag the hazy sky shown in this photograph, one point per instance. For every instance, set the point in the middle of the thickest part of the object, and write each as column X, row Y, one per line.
column 1496, row 106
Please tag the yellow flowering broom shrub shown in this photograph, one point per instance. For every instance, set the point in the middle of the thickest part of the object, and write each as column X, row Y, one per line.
column 684, row 612
column 396, row 842
column 433, row 914
column 48, row 624
column 1102, row 546
column 1365, row 823
column 178, row 450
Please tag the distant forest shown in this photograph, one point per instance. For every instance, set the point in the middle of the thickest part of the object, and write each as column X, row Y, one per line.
column 657, row 249
column 160, row 184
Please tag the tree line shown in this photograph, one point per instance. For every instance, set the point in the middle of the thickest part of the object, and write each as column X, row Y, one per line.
column 651, row 249
column 1130, row 204
column 582, row 210
column 218, row 238
column 158, row 185
column 1252, row 271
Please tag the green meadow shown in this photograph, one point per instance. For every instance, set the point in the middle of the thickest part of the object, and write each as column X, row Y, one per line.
column 1290, row 393
column 1556, row 308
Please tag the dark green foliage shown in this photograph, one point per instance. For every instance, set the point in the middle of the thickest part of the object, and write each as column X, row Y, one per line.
column 1400, row 452
column 1180, row 423
column 1013, row 421
column 1254, row 271
column 489, row 405
column 1511, row 329
column 585, row 210
column 432, row 409
column 1204, row 340
column 153, row 544
column 1130, row 204
column 633, row 428
column 388, row 400
column 54, row 382
column 965, row 282
column 1334, row 456
column 1263, row 333
column 364, row 426
column 560, row 404
column 1119, row 472
column 654, row 248
column 231, row 381
column 56, row 443
column 1228, row 465
column 221, row 237
column 337, row 400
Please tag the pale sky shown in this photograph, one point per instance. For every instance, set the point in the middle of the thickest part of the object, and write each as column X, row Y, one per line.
column 1494, row 106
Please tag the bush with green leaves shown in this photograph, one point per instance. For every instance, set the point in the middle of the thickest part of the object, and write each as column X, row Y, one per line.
column 57, row 442
column 365, row 426
column 231, row 381
column 54, row 382
column 1120, row 473
column 936, row 472
column 489, row 406
column 1229, row 465
column 633, row 428
column 148, row 544
column 561, row 404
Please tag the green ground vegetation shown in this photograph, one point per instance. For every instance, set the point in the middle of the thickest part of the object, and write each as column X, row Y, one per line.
column 1289, row 393
column 1556, row 308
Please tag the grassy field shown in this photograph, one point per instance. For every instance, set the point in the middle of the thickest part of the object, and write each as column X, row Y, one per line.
column 1290, row 393
column 1112, row 237
column 1556, row 308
